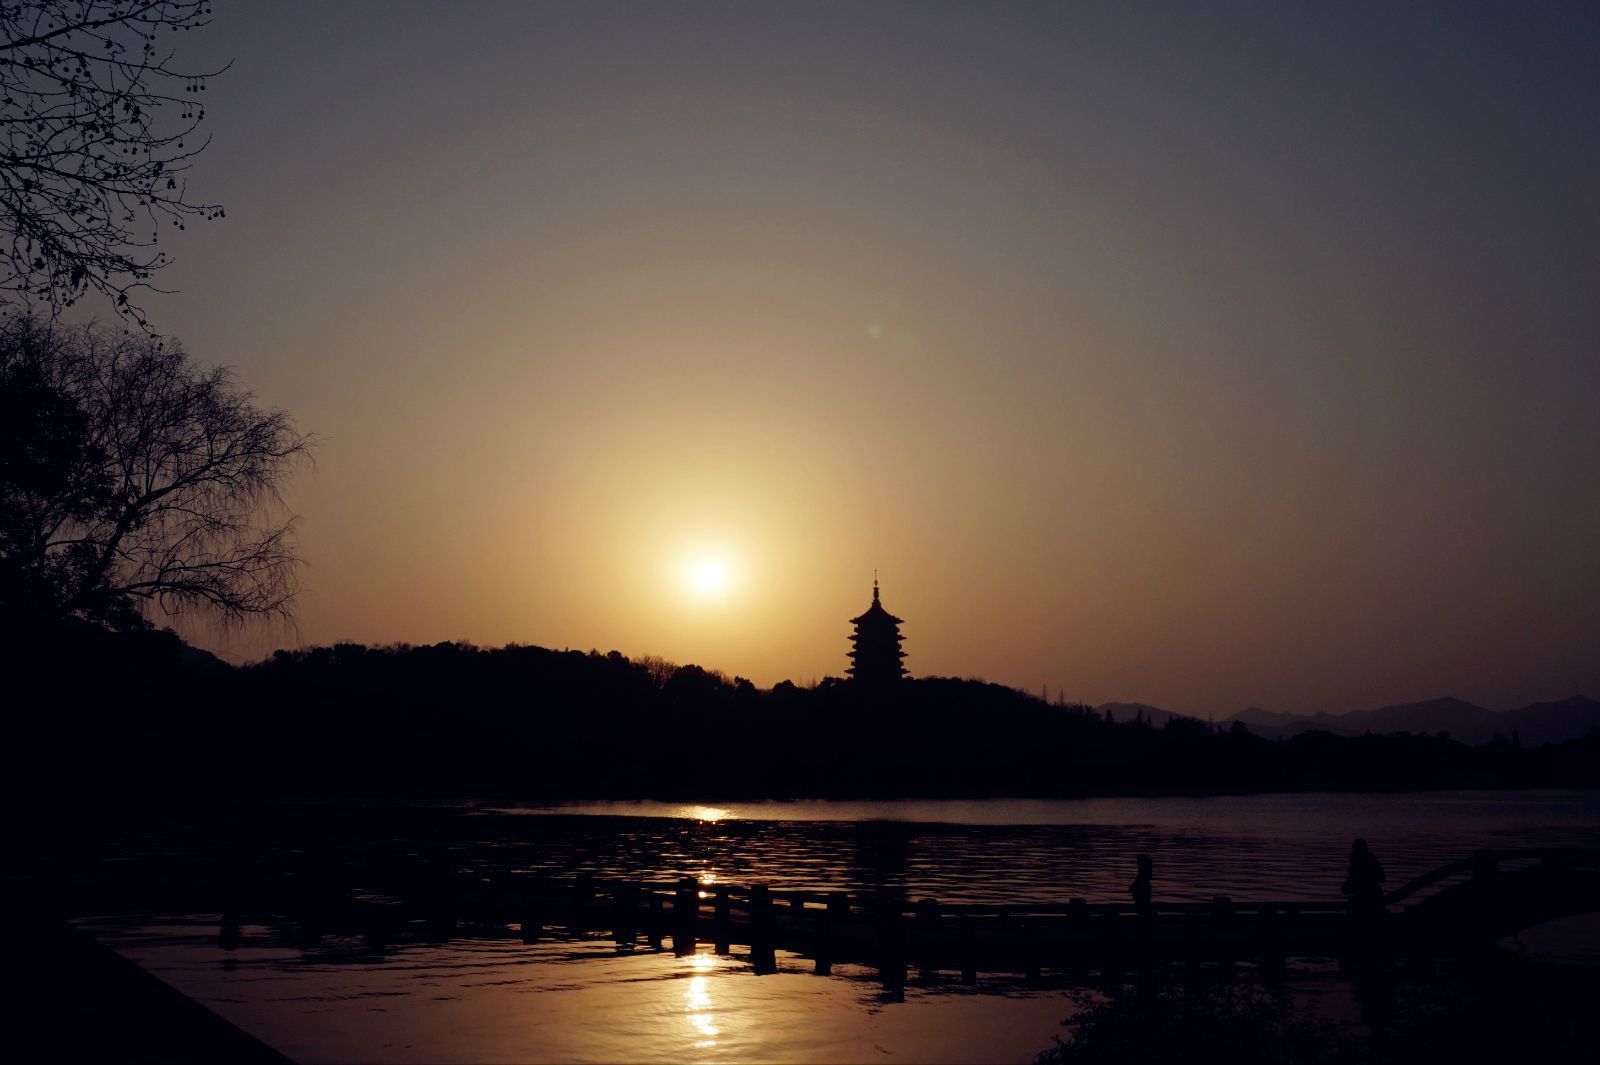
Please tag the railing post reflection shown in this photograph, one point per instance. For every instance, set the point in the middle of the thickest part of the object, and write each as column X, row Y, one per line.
column 891, row 946
column 724, row 924
column 531, row 906
column 1030, row 949
column 967, row 939
column 928, row 937
column 656, row 920
column 685, row 912
column 829, row 923
column 838, row 908
column 1112, row 947
column 1222, row 913
column 1077, row 934
column 1271, row 964
column 582, row 899
column 626, row 902
column 763, row 951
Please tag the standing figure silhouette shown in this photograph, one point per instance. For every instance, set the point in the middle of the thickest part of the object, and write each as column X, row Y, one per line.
column 1140, row 888
column 1363, row 884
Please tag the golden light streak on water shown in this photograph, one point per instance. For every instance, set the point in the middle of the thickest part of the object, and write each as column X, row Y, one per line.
column 698, row 1004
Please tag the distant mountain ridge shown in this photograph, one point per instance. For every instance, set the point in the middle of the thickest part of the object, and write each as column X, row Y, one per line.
column 1533, row 725
column 1463, row 720
column 1156, row 716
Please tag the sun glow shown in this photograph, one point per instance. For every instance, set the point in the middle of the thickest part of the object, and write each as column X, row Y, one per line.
column 708, row 578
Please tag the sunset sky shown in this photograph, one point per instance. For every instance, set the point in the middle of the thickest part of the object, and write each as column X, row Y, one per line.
column 1206, row 355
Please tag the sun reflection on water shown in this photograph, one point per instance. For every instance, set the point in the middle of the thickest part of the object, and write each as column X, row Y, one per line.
column 697, row 1002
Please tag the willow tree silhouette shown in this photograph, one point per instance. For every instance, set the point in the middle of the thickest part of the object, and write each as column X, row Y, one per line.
column 133, row 481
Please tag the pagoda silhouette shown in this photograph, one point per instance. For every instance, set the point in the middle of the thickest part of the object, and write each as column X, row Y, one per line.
column 877, row 656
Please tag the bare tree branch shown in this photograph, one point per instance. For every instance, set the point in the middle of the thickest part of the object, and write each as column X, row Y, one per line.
column 98, row 128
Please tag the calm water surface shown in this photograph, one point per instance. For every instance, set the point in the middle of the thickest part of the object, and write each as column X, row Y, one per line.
column 495, row 999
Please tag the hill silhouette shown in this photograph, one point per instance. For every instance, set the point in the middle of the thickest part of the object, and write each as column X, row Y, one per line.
column 1260, row 720
column 1447, row 714
column 145, row 715
column 1153, row 715
column 1572, row 718
column 1537, row 723
column 1552, row 722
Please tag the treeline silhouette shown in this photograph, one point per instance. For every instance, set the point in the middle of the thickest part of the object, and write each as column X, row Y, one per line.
column 143, row 714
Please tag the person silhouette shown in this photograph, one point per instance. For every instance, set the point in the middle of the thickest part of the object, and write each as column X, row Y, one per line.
column 1140, row 888
column 1363, row 881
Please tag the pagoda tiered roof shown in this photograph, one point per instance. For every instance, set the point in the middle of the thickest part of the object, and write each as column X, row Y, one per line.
column 876, row 655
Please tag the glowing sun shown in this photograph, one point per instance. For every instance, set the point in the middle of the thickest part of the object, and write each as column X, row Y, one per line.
column 708, row 577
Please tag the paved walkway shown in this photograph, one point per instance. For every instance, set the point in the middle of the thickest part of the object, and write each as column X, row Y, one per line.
column 72, row 999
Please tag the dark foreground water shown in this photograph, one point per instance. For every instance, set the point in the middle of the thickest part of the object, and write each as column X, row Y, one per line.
column 488, row 998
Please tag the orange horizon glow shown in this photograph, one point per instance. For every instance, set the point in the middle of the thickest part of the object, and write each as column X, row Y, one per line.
column 1145, row 357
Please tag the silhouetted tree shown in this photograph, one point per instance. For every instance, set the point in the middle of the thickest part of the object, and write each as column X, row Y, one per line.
column 132, row 479
column 97, row 131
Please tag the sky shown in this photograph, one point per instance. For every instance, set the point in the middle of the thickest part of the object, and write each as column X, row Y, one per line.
column 1204, row 355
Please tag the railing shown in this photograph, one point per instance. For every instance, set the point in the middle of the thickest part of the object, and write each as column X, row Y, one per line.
column 1487, row 862
column 892, row 931
column 731, row 897
column 741, row 899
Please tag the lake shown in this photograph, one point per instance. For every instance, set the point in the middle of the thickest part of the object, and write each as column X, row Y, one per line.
column 139, row 887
